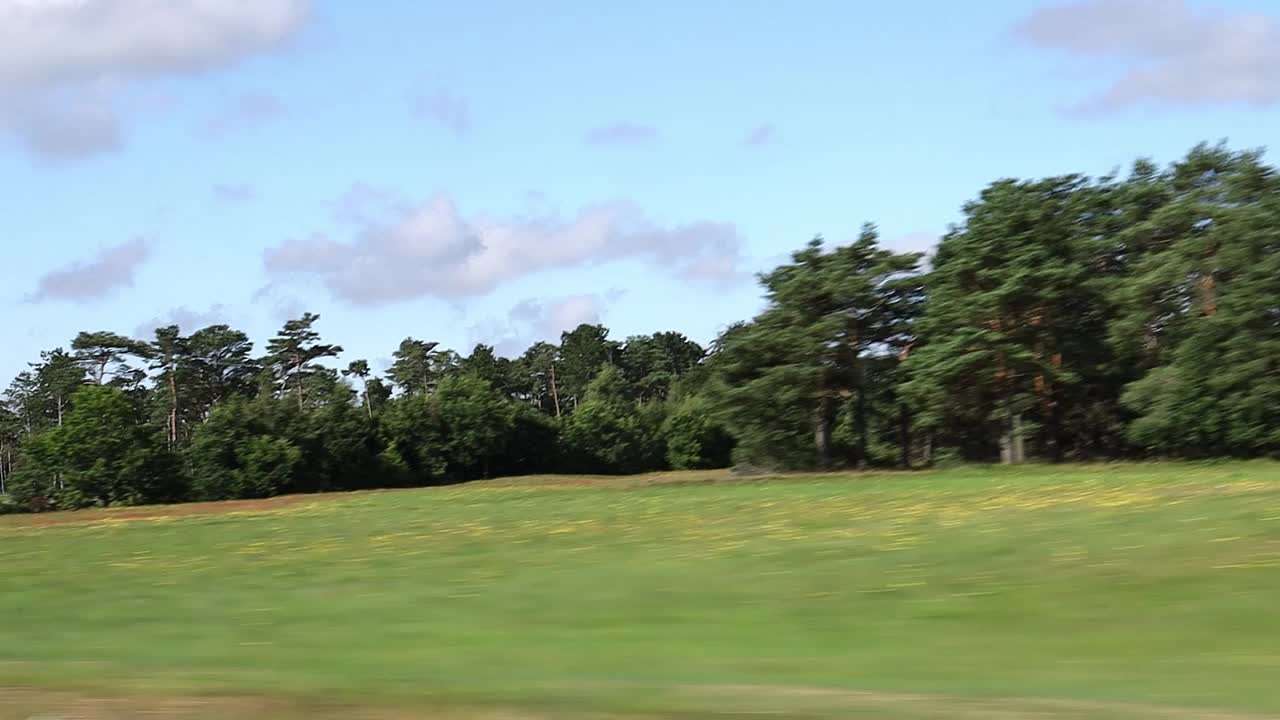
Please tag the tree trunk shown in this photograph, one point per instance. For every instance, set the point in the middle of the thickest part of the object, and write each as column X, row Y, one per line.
column 860, row 419
column 555, row 394
column 1012, row 449
column 904, row 437
column 1051, row 450
column 173, row 409
column 1208, row 295
column 1019, row 447
column 297, row 373
column 822, row 434
column 1052, row 446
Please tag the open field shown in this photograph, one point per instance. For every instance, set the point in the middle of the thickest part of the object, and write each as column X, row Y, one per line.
column 1126, row 591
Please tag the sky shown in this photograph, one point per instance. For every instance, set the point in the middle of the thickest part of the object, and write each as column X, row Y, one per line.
column 499, row 172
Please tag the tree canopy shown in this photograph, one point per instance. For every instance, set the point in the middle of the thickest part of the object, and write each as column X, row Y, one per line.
column 1060, row 318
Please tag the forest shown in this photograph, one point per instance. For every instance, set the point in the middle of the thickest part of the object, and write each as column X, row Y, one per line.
column 1069, row 318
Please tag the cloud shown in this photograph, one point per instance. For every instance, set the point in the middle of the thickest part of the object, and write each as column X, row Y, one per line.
column 441, row 106
column 921, row 242
column 234, row 193
column 429, row 249
column 185, row 318
column 112, row 269
column 534, row 319
column 62, row 126
column 550, row 318
column 622, row 133
column 70, row 58
column 916, row 242
column 761, row 135
column 250, row 110
column 60, row 41
column 283, row 303
column 1171, row 54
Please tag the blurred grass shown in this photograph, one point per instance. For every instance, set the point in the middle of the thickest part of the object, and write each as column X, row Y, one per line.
column 1125, row 591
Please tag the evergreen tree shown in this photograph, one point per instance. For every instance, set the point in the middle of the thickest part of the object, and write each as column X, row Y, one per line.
column 416, row 369
column 786, row 375
column 1012, row 318
column 292, row 353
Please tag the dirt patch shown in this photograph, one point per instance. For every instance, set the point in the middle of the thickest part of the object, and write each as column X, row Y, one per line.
column 693, row 702
column 158, row 512
column 31, row 704
column 151, row 512
column 827, row 702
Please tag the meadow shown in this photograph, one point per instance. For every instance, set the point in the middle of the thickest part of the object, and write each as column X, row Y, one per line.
column 1107, row 591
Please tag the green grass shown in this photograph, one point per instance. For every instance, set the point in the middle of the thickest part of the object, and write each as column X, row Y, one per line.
column 1077, row 592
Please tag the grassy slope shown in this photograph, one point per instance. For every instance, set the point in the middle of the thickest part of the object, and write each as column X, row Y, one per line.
column 1151, row 584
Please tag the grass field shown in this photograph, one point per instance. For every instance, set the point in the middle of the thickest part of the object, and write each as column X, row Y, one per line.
column 1130, row 591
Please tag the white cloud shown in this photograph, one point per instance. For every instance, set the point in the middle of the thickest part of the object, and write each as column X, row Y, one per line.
column 185, row 318
column 52, row 52
column 534, row 319
column 622, row 133
column 921, row 242
column 60, row 126
column 760, row 135
column 403, row 251
column 441, row 106
column 45, row 42
column 111, row 269
column 249, row 110
column 234, row 193
column 549, row 318
column 1171, row 53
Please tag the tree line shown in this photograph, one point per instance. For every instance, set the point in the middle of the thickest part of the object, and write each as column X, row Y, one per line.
column 1064, row 318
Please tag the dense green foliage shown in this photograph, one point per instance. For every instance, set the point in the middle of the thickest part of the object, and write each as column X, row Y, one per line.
column 1144, row 592
column 1063, row 318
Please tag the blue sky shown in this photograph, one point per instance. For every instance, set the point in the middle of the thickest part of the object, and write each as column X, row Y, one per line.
column 500, row 171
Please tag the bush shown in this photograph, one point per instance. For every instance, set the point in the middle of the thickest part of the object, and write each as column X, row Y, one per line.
column 234, row 456
column 694, row 439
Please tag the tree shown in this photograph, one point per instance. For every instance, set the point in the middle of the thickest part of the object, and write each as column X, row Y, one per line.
column 693, row 437
column 377, row 394
column 785, row 375
column 105, row 354
column 1013, row 315
column 416, row 368
column 169, row 352
column 292, row 353
column 57, row 377
column 222, row 366
column 609, row 434
column 651, row 364
column 1201, row 311
column 1063, row 317
column 531, row 443
column 536, row 370
column 21, row 398
column 238, row 454
column 102, row 454
column 360, row 369
column 341, row 444
column 483, row 363
column 583, row 352
column 474, row 418
column 10, row 438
